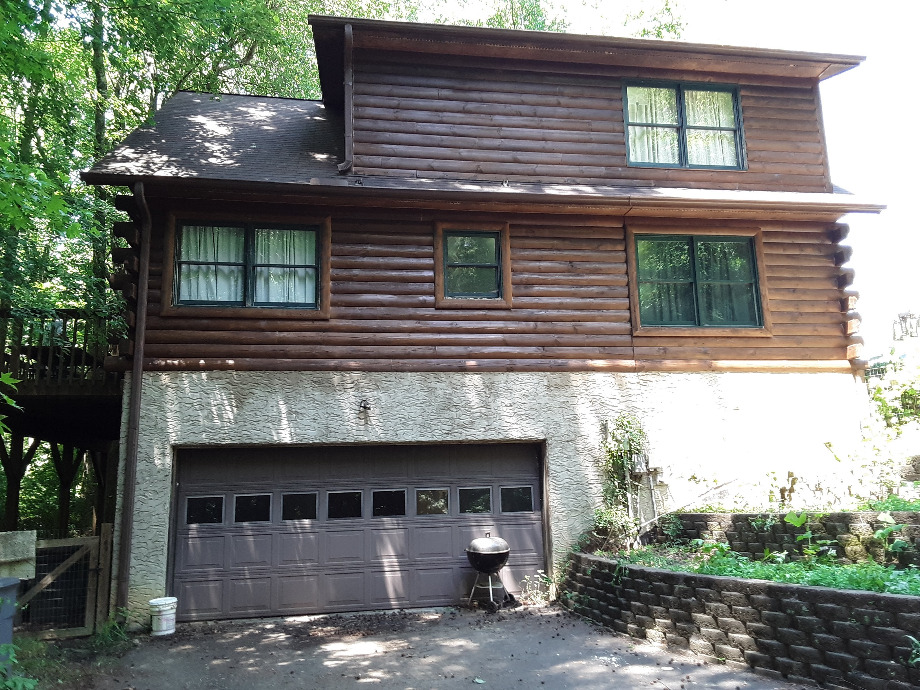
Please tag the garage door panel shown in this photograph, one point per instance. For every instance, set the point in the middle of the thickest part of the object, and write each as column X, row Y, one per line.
column 344, row 589
column 201, row 599
column 390, row 588
column 250, row 595
column 296, row 559
column 199, row 553
column 298, row 593
column 250, row 550
column 345, row 546
column 436, row 586
column 433, row 542
column 295, row 549
column 388, row 544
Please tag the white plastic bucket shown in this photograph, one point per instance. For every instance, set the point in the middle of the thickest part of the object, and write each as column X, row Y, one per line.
column 163, row 615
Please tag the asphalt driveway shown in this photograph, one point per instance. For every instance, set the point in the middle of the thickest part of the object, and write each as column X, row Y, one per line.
column 527, row 647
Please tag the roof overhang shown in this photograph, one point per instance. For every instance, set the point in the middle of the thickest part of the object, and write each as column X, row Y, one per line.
column 544, row 46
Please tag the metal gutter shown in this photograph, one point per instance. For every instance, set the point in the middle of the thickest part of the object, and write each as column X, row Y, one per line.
column 134, row 405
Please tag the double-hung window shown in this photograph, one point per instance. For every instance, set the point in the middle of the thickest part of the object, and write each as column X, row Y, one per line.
column 250, row 266
column 701, row 280
column 684, row 126
column 472, row 266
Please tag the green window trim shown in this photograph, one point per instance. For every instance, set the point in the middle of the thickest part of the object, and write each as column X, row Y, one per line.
column 668, row 137
column 230, row 264
column 697, row 281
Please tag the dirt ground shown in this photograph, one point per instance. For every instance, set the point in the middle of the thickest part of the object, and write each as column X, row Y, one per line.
column 526, row 647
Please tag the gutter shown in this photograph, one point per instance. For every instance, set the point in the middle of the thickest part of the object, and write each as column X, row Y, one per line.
column 134, row 406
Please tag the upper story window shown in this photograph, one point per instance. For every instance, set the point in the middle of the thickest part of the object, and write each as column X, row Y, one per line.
column 250, row 268
column 472, row 266
column 697, row 281
column 684, row 126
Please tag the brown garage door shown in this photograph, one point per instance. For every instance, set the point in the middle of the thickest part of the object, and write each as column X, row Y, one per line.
column 343, row 528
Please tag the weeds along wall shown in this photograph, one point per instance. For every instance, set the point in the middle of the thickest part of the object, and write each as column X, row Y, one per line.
column 753, row 534
column 800, row 633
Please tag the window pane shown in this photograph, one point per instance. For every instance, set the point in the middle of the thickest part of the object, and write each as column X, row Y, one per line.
column 664, row 259
column 205, row 510
column 278, row 285
column 709, row 108
column 253, row 508
column 517, row 499
column 666, row 304
column 210, row 283
column 344, row 504
column 477, row 500
column 389, row 503
column 723, row 304
column 298, row 506
column 210, row 243
column 654, row 105
column 725, row 260
column 711, row 147
column 653, row 145
column 479, row 248
column 285, row 246
column 469, row 280
column 431, row 502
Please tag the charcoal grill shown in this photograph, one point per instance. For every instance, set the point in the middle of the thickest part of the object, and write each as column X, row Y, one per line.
column 488, row 556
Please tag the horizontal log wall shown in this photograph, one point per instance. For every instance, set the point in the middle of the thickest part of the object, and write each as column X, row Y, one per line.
column 570, row 308
column 549, row 126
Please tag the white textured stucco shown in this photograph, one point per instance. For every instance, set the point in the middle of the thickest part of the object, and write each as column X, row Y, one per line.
column 702, row 427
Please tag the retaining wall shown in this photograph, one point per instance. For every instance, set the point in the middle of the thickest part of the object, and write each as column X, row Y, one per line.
column 843, row 638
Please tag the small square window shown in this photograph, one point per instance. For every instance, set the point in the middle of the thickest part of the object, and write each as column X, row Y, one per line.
column 472, row 267
column 517, row 499
column 344, row 504
column 683, row 126
column 204, row 510
column 252, row 508
column 432, row 501
column 298, row 506
column 476, row 500
column 390, row 502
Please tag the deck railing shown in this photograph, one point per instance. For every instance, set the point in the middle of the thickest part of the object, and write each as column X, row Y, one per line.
column 66, row 347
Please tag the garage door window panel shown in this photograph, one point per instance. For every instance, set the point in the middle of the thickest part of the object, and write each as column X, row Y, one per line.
column 343, row 505
column 204, row 510
column 298, row 506
column 475, row 500
column 389, row 503
column 432, row 501
column 252, row 508
column 517, row 499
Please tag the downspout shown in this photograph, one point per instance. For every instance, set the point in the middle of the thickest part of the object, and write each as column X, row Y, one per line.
column 349, row 105
column 134, row 405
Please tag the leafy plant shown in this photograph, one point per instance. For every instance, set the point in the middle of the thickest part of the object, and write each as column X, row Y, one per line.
column 624, row 444
column 820, row 548
column 914, row 658
column 535, row 589
column 762, row 523
column 672, row 527
column 10, row 679
column 885, row 534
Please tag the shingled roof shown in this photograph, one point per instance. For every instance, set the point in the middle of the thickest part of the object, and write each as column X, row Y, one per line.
column 230, row 138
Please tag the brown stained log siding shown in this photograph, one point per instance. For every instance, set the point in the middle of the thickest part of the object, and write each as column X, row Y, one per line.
column 570, row 309
column 518, row 125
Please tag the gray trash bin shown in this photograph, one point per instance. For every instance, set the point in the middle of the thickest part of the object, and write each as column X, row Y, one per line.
column 9, row 588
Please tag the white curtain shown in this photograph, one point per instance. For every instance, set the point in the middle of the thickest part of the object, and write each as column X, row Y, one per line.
column 284, row 266
column 715, row 147
column 653, row 106
column 215, row 269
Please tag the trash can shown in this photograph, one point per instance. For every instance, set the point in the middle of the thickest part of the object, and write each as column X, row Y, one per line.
column 163, row 615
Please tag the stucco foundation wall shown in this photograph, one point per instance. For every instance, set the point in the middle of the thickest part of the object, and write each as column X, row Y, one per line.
column 710, row 425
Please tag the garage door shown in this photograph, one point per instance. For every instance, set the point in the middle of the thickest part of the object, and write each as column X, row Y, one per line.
column 278, row 531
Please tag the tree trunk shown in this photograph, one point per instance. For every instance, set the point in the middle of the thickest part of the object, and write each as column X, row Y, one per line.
column 15, row 461
column 67, row 461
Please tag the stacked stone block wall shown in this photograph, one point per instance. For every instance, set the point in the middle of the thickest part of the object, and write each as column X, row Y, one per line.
column 750, row 534
column 842, row 638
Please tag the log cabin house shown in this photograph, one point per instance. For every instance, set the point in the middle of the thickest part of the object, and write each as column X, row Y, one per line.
column 372, row 328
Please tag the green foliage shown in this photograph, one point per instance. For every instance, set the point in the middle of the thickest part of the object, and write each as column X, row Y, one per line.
column 624, row 444
column 8, row 382
column 892, row 502
column 719, row 559
column 762, row 523
column 914, row 659
column 10, row 678
column 662, row 22
column 672, row 527
column 885, row 534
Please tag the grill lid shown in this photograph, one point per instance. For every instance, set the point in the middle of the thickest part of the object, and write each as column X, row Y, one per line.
column 488, row 544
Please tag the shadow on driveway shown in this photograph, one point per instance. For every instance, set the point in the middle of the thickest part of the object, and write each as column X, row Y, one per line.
column 527, row 647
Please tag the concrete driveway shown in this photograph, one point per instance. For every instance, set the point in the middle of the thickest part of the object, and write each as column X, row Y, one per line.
column 527, row 647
